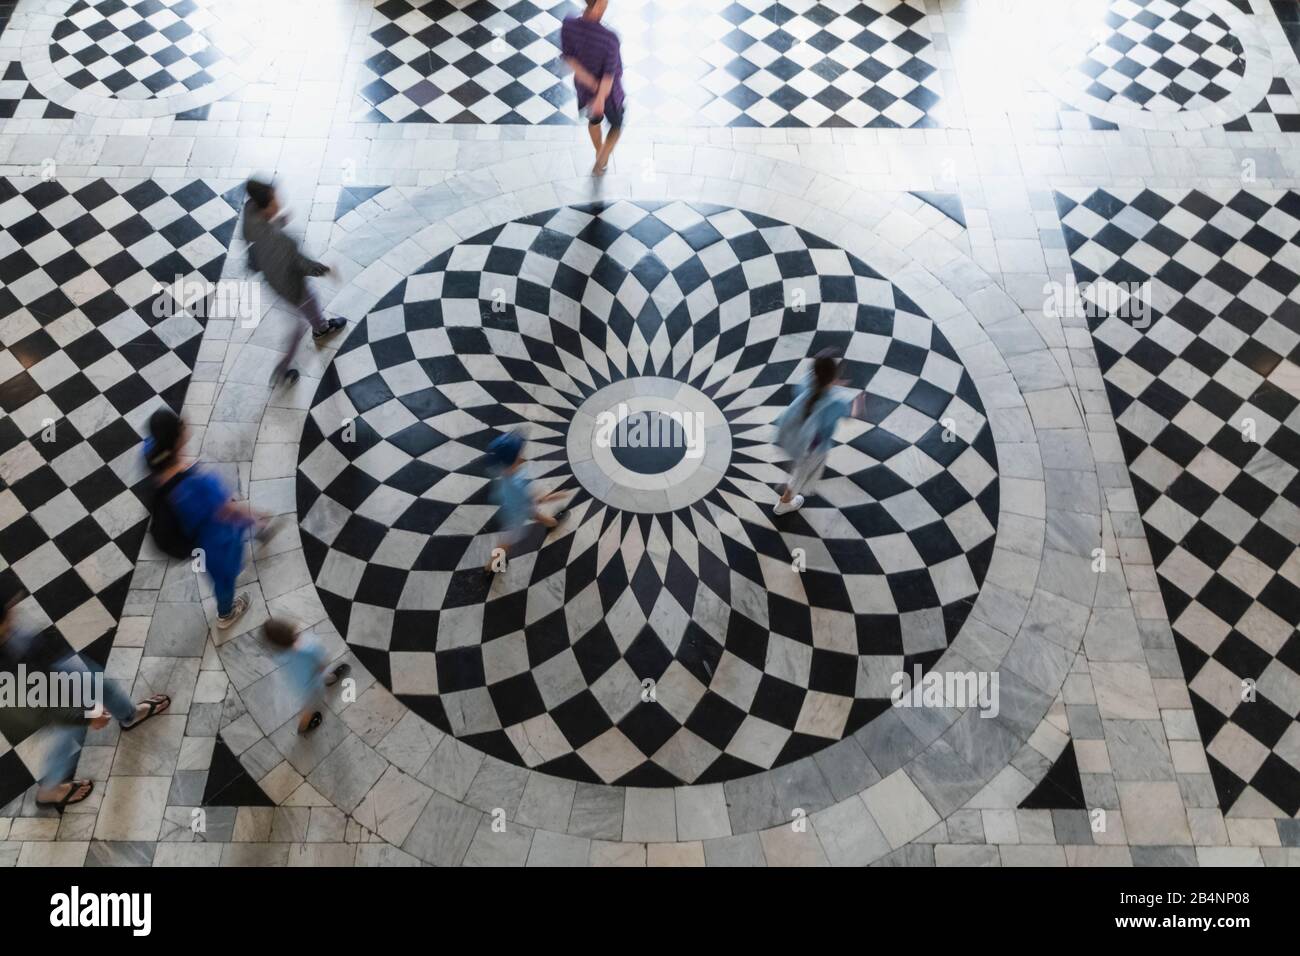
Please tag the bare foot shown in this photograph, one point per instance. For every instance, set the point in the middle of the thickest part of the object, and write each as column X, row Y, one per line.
column 65, row 794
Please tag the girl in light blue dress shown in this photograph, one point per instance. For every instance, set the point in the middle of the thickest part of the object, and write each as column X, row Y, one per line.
column 806, row 428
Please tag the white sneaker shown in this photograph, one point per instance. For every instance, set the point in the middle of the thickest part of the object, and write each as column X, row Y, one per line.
column 785, row 507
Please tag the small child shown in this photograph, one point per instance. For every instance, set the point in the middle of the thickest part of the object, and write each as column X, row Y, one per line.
column 512, row 493
column 305, row 665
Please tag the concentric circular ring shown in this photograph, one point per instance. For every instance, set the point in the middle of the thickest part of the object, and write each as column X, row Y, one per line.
column 692, row 474
column 685, row 642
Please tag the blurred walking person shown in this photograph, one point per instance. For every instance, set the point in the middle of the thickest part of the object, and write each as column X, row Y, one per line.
column 806, row 428
column 592, row 52
column 512, row 492
column 305, row 664
column 275, row 254
column 68, row 721
column 194, row 511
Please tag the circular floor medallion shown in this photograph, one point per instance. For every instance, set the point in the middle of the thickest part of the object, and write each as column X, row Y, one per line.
column 673, row 629
column 141, row 49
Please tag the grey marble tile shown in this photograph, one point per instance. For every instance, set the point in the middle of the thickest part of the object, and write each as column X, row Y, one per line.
column 846, row 768
column 120, row 854
column 558, row 849
column 1163, row 856
column 887, row 742
column 946, row 780
column 497, row 785
column 753, row 804
column 915, row 854
column 348, row 773
column 801, row 784
column 443, row 832
column 1138, row 750
column 506, row 847
column 597, row 812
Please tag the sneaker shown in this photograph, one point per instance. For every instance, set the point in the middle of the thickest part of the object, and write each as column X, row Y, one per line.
column 337, row 674
column 332, row 326
column 289, row 377
column 236, row 612
column 785, row 507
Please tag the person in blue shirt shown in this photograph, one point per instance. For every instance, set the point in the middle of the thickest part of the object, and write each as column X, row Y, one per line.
column 512, row 492
column 806, row 429
column 202, row 503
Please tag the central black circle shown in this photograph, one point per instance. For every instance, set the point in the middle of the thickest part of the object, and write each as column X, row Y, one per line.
column 648, row 443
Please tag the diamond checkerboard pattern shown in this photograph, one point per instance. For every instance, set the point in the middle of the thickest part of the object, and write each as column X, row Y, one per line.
column 755, row 663
column 144, row 49
column 1162, row 56
column 1277, row 112
column 719, row 63
column 85, row 361
column 1222, row 513
column 20, row 100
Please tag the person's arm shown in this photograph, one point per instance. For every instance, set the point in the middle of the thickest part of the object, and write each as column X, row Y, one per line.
column 309, row 266
column 581, row 73
column 602, row 91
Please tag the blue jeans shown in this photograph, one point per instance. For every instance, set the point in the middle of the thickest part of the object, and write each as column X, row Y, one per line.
column 68, row 738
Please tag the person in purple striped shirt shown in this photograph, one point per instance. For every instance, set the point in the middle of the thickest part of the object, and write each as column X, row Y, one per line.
column 591, row 50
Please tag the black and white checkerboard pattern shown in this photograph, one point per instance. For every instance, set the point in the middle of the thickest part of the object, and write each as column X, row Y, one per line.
column 1162, row 56
column 1278, row 112
column 857, row 63
column 143, row 49
column 1207, row 400
column 86, row 357
column 756, row 663
column 20, row 100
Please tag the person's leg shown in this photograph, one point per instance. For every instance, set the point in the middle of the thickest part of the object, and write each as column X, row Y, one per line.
column 61, row 764
column 615, row 117
column 309, row 718
column 224, row 573
column 803, row 476
column 310, row 310
column 291, row 342
column 596, row 131
column 119, row 705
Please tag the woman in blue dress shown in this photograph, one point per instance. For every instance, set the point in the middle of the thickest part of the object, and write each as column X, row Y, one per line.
column 806, row 428
column 205, row 511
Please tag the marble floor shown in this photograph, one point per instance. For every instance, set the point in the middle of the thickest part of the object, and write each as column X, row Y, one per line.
column 1056, row 243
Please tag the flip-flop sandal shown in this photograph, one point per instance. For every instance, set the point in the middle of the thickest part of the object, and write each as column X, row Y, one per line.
column 67, row 800
column 157, row 704
column 315, row 722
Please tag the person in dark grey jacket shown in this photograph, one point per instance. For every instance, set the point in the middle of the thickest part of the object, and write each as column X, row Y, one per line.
column 276, row 255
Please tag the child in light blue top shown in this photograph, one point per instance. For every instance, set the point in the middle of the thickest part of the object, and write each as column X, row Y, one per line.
column 806, row 429
column 305, row 663
column 512, row 492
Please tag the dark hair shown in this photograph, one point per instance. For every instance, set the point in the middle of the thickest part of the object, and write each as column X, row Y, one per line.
column 279, row 633
column 261, row 193
column 825, row 368
column 165, row 428
column 505, row 449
